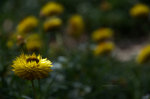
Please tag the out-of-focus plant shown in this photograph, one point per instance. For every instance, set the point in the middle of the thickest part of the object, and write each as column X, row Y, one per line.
column 15, row 39
column 75, row 26
column 34, row 42
column 139, row 10
column 102, row 34
column 27, row 24
column 144, row 55
column 51, row 8
column 104, row 48
column 52, row 24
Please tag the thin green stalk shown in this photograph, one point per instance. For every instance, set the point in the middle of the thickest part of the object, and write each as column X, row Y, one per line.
column 39, row 88
column 34, row 91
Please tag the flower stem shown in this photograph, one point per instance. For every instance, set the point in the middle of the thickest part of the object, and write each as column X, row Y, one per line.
column 39, row 84
column 39, row 89
column 34, row 91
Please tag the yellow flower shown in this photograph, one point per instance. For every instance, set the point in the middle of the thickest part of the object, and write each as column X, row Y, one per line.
column 51, row 8
column 10, row 43
column 12, row 39
column 104, row 48
column 15, row 39
column 102, row 34
column 31, row 67
column 34, row 42
column 144, row 55
column 52, row 23
column 139, row 10
column 27, row 24
column 75, row 26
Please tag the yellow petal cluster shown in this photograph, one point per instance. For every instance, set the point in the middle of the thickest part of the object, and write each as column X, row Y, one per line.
column 51, row 8
column 31, row 67
column 102, row 34
column 52, row 23
column 144, row 55
column 75, row 25
column 139, row 10
column 34, row 42
column 27, row 24
column 104, row 48
column 10, row 43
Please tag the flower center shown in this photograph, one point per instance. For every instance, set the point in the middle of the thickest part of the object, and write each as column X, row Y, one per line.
column 32, row 59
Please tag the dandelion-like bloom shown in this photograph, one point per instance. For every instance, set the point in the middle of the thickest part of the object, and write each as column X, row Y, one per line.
column 34, row 42
column 75, row 26
column 27, row 24
column 104, row 48
column 144, row 55
column 52, row 23
column 139, row 10
column 102, row 34
column 31, row 67
column 51, row 8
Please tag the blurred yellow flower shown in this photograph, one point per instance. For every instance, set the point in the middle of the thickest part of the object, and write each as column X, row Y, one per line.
column 144, row 55
column 104, row 48
column 14, row 39
column 52, row 23
column 31, row 67
column 139, row 10
column 10, row 43
column 102, row 34
column 34, row 42
column 27, row 24
column 51, row 8
column 75, row 26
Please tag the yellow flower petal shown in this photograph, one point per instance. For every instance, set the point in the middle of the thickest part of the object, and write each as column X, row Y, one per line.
column 144, row 55
column 52, row 23
column 102, row 33
column 75, row 26
column 27, row 24
column 51, row 8
column 34, row 42
column 104, row 48
column 139, row 10
column 31, row 67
